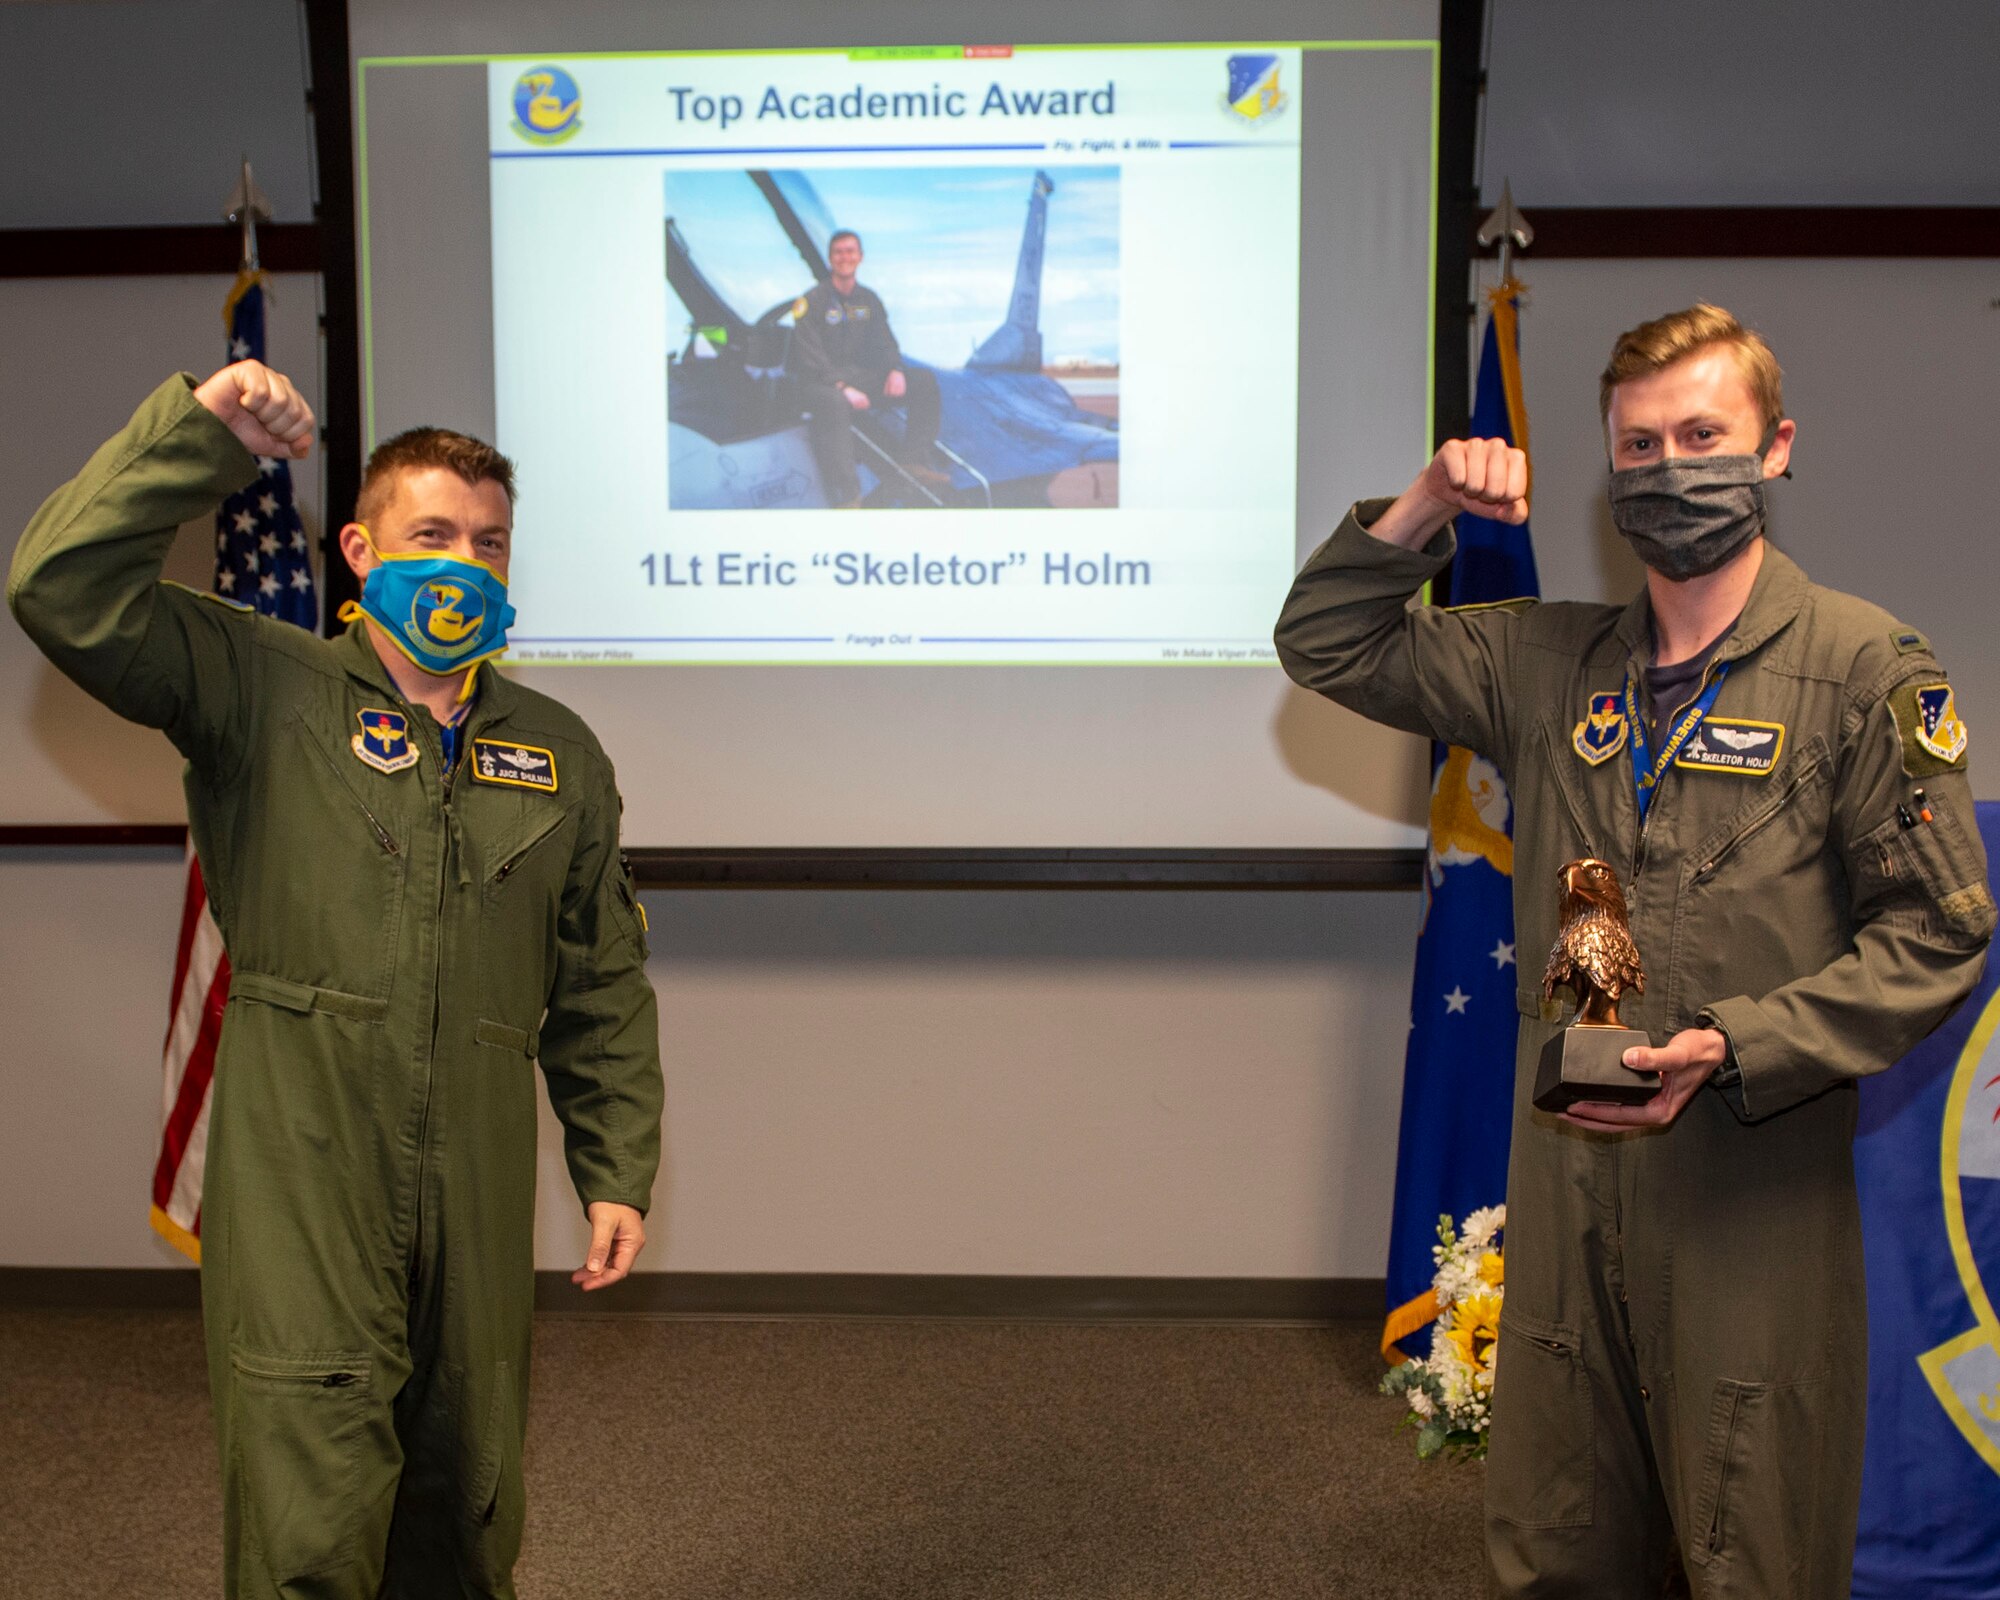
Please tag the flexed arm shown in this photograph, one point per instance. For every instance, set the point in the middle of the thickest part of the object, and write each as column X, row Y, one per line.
column 85, row 581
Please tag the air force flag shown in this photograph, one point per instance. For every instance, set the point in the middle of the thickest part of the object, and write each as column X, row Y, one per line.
column 1927, row 1160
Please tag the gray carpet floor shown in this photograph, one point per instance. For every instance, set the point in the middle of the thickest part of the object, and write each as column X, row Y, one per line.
column 809, row 1461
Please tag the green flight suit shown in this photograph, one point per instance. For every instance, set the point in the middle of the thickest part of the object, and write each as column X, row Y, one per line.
column 403, row 952
column 1683, row 1350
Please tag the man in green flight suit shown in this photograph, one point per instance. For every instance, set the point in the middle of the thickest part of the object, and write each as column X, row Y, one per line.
column 844, row 362
column 414, row 865
column 1777, row 773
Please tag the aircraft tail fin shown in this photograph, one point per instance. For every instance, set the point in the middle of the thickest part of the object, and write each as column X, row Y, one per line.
column 1016, row 345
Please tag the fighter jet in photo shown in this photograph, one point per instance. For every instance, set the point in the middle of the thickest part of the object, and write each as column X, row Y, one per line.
column 1009, row 435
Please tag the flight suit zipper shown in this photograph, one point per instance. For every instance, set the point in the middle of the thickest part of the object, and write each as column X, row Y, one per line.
column 435, row 744
column 1646, row 819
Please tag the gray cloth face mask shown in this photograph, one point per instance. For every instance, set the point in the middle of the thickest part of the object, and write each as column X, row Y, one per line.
column 1687, row 517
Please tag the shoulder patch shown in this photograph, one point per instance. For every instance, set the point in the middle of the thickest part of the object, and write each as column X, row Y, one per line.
column 1934, row 738
column 522, row 766
column 1519, row 602
column 1909, row 642
column 798, row 308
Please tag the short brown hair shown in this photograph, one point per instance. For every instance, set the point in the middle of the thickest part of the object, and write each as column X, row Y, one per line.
column 474, row 460
column 1655, row 345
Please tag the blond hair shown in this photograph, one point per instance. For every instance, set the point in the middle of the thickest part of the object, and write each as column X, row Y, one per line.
column 1655, row 345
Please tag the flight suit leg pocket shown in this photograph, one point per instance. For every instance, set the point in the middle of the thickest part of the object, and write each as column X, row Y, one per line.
column 1541, row 1460
column 299, row 1427
column 1757, row 1500
column 496, row 1501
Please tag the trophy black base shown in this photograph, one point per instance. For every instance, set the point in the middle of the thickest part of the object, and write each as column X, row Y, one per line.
column 1587, row 1063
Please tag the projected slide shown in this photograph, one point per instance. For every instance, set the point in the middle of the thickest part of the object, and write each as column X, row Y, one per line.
column 887, row 356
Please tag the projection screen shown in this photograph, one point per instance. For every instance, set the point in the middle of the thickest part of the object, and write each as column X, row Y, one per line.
column 980, row 544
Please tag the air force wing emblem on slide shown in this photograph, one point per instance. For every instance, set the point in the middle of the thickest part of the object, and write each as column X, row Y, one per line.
column 384, row 740
column 522, row 766
column 1253, row 87
column 1730, row 744
column 1603, row 731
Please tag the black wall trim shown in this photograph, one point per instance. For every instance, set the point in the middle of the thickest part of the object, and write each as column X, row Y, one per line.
column 1798, row 232
column 782, row 1295
column 155, row 252
column 1461, row 27
column 1027, row 869
column 914, row 869
column 340, row 293
column 147, row 835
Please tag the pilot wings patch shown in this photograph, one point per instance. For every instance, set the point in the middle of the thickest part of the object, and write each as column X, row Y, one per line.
column 1732, row 744
column 522, row 766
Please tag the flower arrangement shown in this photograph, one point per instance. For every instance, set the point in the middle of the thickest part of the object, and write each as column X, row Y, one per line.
column 1450, row 1395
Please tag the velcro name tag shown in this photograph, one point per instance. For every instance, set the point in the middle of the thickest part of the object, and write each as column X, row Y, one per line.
column 522, row 766
column 1733, row 744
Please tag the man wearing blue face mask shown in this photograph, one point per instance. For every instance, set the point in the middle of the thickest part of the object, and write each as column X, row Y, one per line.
column 414, row 865
column 1777, row 774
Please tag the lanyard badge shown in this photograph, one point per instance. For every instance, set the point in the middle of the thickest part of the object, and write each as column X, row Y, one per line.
column 1648, row 768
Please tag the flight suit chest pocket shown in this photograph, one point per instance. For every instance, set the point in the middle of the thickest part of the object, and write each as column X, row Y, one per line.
column 527, row 863
column 333, row 860
column 1771, row 830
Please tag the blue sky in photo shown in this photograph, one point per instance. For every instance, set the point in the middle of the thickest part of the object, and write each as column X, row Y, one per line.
column 940, row 244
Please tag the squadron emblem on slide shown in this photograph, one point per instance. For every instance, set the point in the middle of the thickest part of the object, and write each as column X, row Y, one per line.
column 384, row 740
column 547, row 106
column 1603, row 731
column 1253, row 87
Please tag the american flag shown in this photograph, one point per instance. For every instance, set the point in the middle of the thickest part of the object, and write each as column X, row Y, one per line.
column 262, row 559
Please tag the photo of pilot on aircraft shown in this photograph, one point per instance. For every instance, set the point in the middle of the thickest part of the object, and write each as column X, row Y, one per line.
column 849, row 338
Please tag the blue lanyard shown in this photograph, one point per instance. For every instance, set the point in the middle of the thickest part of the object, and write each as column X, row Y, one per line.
column 1647, row 768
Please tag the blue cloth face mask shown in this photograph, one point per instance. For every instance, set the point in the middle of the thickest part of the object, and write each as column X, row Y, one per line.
column 444, row 612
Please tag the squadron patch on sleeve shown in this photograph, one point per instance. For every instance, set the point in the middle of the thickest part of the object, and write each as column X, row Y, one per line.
column 1934, row 738
column 523, row 766
column 384, row 740
column 1734, row 744
column 1603, row 731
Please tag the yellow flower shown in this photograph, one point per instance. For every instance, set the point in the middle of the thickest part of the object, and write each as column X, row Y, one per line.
column 1492, row 1271
column 1475, row 1324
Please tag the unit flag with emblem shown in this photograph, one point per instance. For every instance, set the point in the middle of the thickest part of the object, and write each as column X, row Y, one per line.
column 262, row 560
column 1458, row 1070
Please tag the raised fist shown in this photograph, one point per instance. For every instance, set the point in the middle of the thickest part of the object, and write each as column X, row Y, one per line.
column 1487, row 477
column 261, row 408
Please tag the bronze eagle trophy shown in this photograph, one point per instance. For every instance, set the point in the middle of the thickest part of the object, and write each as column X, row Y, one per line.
column 1594, row 957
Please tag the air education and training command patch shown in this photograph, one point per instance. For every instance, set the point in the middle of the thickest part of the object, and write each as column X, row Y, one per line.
column 1732, row 744
column 384, row 740
column 1603, row 731
column 1934, row 738
column 522, row 766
